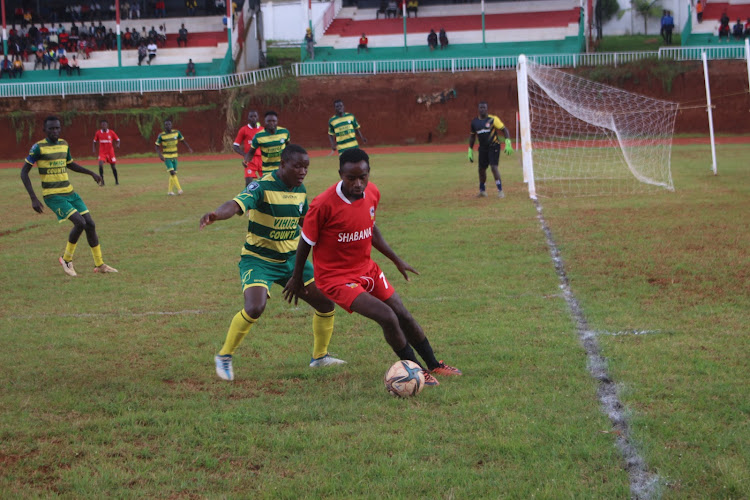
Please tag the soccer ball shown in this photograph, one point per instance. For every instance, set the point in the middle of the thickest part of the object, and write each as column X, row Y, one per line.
column 403, row 379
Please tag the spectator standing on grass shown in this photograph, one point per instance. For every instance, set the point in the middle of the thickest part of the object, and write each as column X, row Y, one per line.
column 190, row 70
column 271, row 141
column 107, row 140
column 310, row 44
column 53, row 160
column 166, row 148
column 340, row 230
column 244, row 142
column 432, row 40
column 151, row 48
column 443, row 37
column 362, row 44
column 668, row 27
column 279, row 200
column 182, row 35
column 485, row 128
column 343, row 129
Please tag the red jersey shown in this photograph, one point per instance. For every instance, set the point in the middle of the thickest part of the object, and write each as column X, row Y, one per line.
column 245, row 137
column 340, row 232
column 106, row 140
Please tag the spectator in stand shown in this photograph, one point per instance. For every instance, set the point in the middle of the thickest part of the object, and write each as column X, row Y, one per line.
column 135, row 10
column 724, row 27
column 699, row 11
column 161, row 38
column 84, row 47
column 443, row 39
column 182, row 36
column 362, row 43
column 144, row 34
column 60, row 52
column 151, row 48
column 127, row 38
column 27, row 17
column 383, row 9
column 63, row 65
column 190, row 71
column 49, row 58
column 6, row 68
column 17, row 67
column 191, row 6
column 738, row 30
column 136, row 38
column 392, row 9
column 142, row 52
column 153, row 34
column 39, row 61
column 44, row 31
column 412, row 6
column 125, row 10
column 220, row 6
column 74, row 66
column 747, row 28
column 432, row 40
column 110, row 40
column 310, row 44
column 161, row 9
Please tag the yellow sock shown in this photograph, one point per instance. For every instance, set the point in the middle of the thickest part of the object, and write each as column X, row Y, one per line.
column 171, row 183
column 176, row 183
column 97, row 253
column 70, row 249
column 322, row 332
column 239, row 327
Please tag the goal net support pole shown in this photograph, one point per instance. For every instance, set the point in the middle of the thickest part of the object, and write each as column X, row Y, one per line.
column 527, row 160
column 710, row 112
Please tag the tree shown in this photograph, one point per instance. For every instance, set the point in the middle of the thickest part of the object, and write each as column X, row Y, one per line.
column 646, row 9
column 603, row 12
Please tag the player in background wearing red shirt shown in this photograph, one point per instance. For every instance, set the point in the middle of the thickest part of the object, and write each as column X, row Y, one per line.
column 107, row 140
column 244, row 139
column 340, row 228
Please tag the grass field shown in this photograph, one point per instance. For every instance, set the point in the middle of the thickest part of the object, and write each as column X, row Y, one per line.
column 109, row 390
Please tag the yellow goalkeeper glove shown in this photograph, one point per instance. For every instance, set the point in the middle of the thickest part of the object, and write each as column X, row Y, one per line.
column 508, row 147
column 471, row 155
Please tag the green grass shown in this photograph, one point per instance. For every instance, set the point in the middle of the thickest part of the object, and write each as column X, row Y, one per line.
column 109, row 387
column 634, row 43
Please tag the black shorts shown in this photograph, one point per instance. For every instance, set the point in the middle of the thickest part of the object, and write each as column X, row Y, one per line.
column 489, row 156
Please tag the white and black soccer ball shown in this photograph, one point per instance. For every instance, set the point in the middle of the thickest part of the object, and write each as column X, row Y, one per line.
column 404, row 379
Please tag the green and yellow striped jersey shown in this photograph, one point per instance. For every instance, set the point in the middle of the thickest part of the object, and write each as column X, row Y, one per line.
column 271, row 146
column 274, row 211
column 168, row 143
column 343, row 128
column 52, row 160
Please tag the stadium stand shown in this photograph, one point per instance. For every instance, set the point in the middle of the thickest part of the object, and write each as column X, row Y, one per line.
column 543, row 26
column 707, row 33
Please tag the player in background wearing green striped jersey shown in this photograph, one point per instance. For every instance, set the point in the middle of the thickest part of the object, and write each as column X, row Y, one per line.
column 166, row 148
column 343, row 129
column 276, row 206
column 271, row 140
column 53, row 160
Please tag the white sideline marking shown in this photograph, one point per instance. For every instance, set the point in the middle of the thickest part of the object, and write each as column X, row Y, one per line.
column 630, row 332
column 644, row 484
column 124, row 313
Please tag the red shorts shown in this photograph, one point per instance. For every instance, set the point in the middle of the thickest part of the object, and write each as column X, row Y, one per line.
column 254, row 170
column 344, row 289
column 107, row 157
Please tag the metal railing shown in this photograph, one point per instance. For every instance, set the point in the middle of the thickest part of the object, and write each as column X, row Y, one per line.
column 315, row 68
column 140, row 85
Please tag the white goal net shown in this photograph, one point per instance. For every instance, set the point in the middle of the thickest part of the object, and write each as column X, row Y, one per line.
column 583, row 138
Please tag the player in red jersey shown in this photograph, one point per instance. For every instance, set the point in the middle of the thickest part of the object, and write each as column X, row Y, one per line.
column 340, row 229
column 107, row 140
column 244, row 139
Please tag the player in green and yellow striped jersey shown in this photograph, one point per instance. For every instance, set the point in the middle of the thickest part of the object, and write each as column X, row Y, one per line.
column 53, row 160
column 271, row 140
column 276, row 206
column 166, row 148
column 343, row 129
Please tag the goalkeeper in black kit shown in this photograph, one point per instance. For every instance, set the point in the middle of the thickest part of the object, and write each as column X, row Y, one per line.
column 486, row 127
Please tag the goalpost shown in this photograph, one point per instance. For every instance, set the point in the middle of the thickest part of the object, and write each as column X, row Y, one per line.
column 583, row 138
